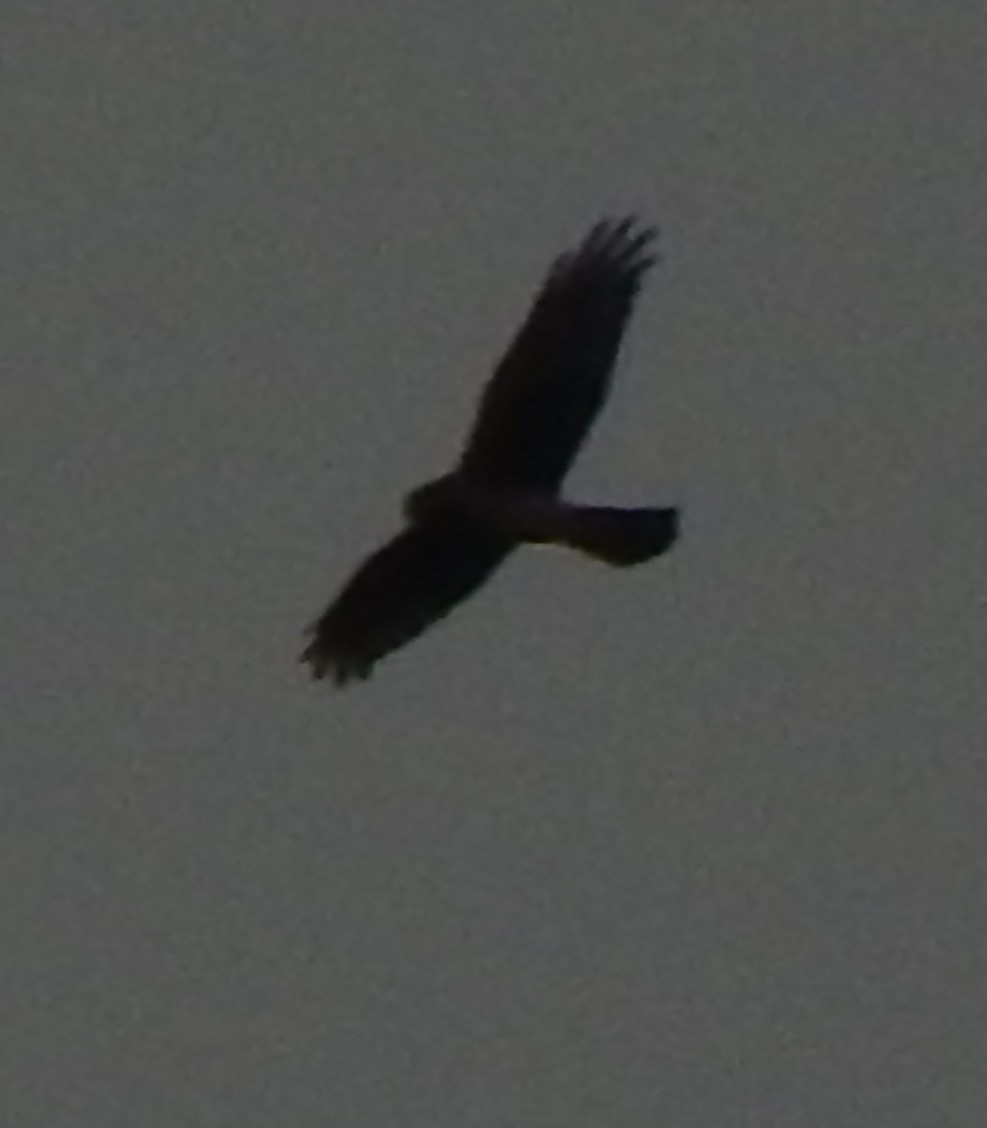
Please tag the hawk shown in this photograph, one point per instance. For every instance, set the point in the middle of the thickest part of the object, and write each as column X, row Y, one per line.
column 533, row 416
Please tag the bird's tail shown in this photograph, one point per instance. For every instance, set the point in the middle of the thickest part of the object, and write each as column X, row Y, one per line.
column 617, row 536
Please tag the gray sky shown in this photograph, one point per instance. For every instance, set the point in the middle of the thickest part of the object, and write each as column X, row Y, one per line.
column 701, row 843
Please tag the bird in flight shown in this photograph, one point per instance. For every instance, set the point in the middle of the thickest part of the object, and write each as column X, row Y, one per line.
column 533, row 416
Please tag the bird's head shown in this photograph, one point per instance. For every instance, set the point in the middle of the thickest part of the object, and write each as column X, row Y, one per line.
column 430, row 499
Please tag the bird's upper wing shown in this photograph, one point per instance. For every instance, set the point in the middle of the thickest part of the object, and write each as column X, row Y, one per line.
column 541, row 400
column 404, row 587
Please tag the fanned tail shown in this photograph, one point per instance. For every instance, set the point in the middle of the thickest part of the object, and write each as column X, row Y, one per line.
column 621, row 537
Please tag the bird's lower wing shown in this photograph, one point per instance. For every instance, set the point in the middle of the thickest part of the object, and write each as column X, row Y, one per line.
column 404, row 587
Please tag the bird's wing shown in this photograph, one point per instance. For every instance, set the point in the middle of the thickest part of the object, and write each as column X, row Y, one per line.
column 399, row 591
column 541, row 400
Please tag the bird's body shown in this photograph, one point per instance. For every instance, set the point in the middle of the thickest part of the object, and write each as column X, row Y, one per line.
column 534, row 414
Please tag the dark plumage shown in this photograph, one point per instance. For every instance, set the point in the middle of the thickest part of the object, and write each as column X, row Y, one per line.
column 533, row 416
column 545, row 393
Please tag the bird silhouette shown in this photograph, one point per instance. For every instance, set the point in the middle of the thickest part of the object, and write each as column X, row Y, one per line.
column 534, row 414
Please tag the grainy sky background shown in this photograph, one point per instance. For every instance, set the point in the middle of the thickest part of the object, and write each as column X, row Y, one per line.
column 700, row 844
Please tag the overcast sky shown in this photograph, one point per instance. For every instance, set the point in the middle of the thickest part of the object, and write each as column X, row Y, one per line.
column 696, row 844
